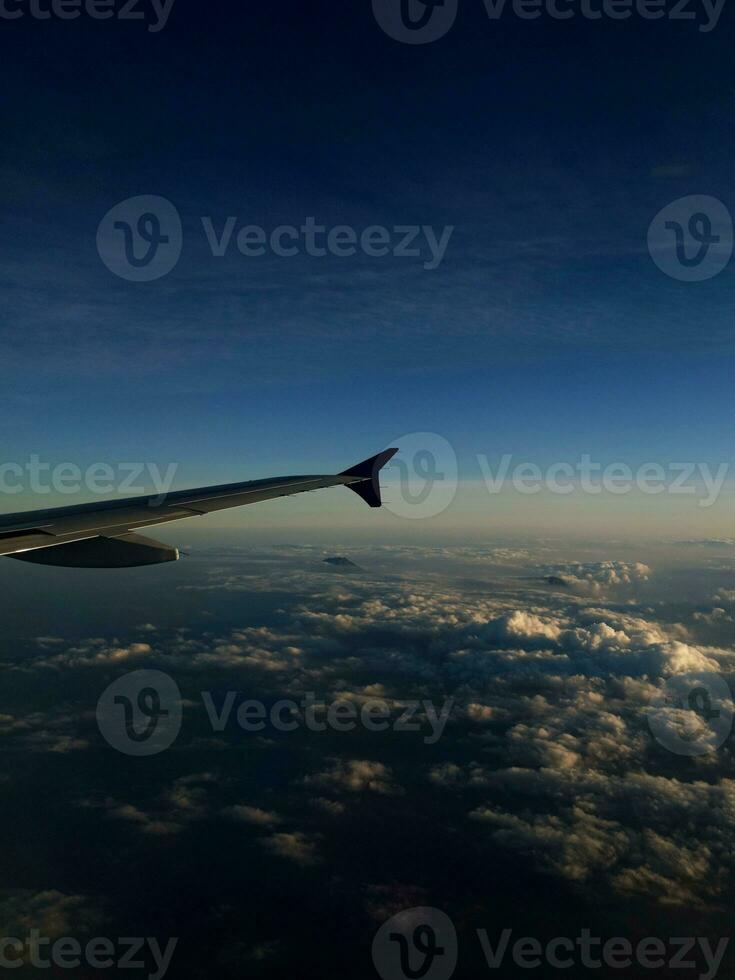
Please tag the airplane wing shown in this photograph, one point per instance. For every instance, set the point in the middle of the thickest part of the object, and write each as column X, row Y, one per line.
column 104, row 535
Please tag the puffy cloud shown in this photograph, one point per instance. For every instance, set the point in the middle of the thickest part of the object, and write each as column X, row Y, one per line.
column 96, row 653
column 295, row 847
column 598, row 578
column 53, row 913
column 252, row 815
column 185, row 801
column 52, row 731
column 356, row 776
column 450, row 774
column 332, row 808
column 651, row 835
column 574, row 845
column 548, row 750
column 715, row 617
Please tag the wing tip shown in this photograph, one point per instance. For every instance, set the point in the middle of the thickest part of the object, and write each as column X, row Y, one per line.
column 369, row 468
column 367, row 486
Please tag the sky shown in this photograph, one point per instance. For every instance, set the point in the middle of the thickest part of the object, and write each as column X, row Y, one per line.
column 546, row 330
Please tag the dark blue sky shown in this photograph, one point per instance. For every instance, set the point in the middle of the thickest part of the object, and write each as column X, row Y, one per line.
column 546, row 330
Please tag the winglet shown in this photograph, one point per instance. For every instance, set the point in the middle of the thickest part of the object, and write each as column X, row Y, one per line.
column 368, row 486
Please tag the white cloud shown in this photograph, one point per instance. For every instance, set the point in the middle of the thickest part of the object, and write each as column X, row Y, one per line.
column 295, row 847
column 252, row 815
column 356, row 776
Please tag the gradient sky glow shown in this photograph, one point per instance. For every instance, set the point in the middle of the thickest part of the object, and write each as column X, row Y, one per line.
column 547, row 332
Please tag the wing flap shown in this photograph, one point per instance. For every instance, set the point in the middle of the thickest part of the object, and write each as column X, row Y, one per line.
column 25, row 540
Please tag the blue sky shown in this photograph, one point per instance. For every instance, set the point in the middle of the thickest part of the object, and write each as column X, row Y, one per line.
column 546, row 331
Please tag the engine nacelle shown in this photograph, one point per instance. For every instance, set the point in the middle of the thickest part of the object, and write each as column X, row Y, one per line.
column 127, row 551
